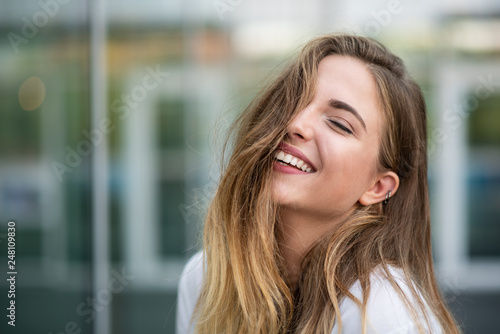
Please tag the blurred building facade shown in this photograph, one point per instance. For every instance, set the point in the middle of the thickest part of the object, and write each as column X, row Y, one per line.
column 176, row 74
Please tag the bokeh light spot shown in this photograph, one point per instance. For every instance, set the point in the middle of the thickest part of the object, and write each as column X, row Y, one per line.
column 31, row 93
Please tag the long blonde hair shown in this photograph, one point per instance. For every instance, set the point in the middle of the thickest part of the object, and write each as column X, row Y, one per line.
column 245, row 286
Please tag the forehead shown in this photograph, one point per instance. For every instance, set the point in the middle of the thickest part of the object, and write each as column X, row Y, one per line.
column 349, row 80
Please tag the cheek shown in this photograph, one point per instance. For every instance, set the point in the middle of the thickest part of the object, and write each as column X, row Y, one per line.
column 350, row 173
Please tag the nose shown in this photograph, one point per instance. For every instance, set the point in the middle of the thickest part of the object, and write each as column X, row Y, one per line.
column 301, row 127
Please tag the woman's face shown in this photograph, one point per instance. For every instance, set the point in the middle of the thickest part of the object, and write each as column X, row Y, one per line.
column 337, row 136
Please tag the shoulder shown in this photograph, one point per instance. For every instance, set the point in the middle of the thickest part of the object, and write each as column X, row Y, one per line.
column 386, row 310
column 193, row 271
column 189, row 289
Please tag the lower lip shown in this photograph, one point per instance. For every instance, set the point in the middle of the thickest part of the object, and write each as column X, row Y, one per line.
column 287, row 169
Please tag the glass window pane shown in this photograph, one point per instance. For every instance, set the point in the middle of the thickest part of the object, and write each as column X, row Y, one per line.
column 484, row 179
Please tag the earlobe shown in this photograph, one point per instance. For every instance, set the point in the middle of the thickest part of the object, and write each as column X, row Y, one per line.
column 386, row 182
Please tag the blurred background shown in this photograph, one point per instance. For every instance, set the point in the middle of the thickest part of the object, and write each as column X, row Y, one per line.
column 110, row 112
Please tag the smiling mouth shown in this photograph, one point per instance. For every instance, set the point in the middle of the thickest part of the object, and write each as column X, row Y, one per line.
column 287, row 159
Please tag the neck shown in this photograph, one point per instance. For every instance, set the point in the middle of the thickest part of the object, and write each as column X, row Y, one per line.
column 299, row 232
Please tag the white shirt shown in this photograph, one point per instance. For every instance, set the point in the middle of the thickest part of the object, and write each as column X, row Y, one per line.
column 386, row 312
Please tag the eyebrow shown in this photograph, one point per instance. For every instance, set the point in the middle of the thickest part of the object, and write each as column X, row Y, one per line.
column 336, row 104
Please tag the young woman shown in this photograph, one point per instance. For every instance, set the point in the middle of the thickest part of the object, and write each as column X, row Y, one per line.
column 321, row 220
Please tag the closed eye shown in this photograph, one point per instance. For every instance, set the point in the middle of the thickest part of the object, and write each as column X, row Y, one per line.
column 340, row 126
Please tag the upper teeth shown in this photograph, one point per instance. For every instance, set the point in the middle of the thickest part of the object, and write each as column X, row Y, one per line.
column 292, row 160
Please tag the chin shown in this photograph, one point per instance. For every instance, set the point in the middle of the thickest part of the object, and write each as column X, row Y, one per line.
column 287, row 202
column 280, row 193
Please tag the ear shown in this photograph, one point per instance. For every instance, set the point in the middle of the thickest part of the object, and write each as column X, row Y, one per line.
column 385, row 182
